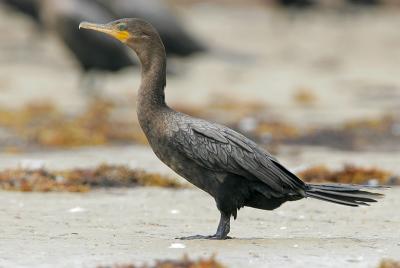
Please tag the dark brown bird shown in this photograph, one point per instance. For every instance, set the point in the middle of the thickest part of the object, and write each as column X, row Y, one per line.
column 92, row 50
column 227, row 165
column 28, row 7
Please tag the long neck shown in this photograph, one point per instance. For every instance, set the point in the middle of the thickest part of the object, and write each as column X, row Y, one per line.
column 151, row 97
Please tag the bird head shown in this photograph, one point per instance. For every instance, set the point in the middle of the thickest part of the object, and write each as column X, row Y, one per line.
column 136, row 33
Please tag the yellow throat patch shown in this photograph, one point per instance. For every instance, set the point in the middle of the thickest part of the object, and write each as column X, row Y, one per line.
column 123, row 36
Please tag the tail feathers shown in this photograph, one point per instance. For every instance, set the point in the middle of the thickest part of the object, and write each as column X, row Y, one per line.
column 343, row 194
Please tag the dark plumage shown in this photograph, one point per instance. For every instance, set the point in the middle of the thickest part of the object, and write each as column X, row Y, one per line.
column 28, row 7
column 93, row 50
column 297, row 3
column 365, row 2
column 310, row 3
column 234, row 170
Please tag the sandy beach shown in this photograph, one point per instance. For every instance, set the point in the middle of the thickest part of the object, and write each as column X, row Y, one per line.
column 348, row 60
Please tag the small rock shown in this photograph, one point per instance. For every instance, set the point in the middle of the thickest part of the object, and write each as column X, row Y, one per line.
column 248, row 124
column 76, row 210
column 358, row 259
column 60, row 179
column 177, row 245
column 174, row 211
column 373, row 182
column 396, row 129
column 394, row 180
column 32, row 164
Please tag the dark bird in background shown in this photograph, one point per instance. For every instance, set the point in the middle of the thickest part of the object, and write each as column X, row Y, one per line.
column 297, row 3
column 311, row 3
column 227, row 165
column 365, row 2
column 94, row 52
column 28, row 7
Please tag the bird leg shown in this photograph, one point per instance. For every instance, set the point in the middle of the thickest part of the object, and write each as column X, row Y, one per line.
column 224, row 227
column 221, row 234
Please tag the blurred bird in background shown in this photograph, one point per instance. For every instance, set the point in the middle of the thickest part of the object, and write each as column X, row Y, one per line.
column 310, row 3
column 28, row 7
column 93, row 51
column 62, row 18
column 96, row 53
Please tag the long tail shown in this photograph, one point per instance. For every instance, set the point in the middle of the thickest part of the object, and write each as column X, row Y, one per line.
column 343, row 194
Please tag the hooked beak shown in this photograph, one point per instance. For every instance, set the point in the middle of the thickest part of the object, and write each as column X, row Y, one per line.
column 109, row 29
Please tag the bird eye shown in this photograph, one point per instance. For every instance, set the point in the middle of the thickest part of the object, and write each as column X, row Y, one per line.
column 122, row 27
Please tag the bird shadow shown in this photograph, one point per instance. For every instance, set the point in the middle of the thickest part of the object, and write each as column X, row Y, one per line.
column 284, row 240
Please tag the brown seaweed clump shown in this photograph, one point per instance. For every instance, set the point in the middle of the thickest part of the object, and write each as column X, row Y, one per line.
column 388, row 263
column 44, row 125
column 185, row 262
column 371, row 133
column 278, row 131
column 270, row 133
column 349, row 174
column 81, row 180
column 305, row 97
column 382, row 133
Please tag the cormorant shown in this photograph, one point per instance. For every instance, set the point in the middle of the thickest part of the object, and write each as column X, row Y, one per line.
column 227, row 165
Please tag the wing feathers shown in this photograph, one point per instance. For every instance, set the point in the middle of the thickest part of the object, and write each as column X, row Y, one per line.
column 221, row 149
column 210, row 133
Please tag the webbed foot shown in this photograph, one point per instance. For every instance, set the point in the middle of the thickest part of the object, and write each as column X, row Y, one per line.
column 221, row 234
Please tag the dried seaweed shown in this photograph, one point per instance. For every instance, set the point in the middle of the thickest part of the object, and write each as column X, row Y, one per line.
column 81, row 180
column 268, row 133
column 378, row 133
column 185, row 262
column 305, row 97
column 43, row 124
column 349, row 174
column 388, row 263
column 381, row 133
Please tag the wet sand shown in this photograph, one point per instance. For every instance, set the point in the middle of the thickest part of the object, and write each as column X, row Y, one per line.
column 139, row 225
